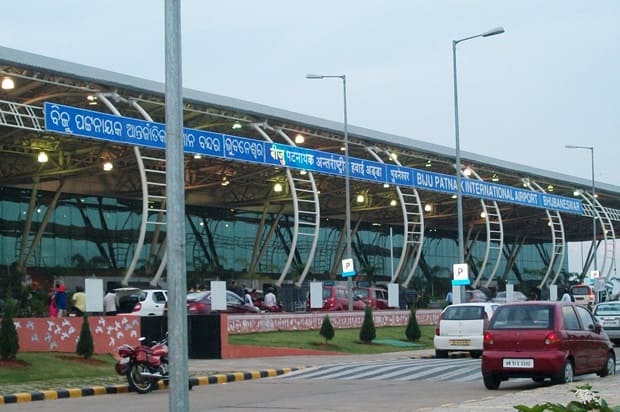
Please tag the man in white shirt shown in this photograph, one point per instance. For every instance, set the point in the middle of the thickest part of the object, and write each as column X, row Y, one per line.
column 109, row 303
column 270, row 300
column 566, row 297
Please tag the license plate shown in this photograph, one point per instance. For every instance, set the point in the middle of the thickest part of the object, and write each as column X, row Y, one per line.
column 610, row 323
column 518, row 363
column 123, row 361
column 460, row 342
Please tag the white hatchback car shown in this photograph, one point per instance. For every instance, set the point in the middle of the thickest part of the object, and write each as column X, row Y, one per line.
column 141, row 302
column 461, row 328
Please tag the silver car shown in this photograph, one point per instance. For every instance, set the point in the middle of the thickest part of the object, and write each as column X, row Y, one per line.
column 608, row 315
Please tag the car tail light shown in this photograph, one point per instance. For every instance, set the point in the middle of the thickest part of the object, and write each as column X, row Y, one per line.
column 488, row 339
column 137, row 307
column 552, row 339
column 196, row 307
column 438, row 327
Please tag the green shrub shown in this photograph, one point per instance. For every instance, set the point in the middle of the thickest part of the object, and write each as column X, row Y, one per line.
column 9, row 340
column 413, row 332
column 368, row 332
column 327, row 330
column 85, row 344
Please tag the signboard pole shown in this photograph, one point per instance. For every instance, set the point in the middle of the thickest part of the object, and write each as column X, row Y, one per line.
column 175, row 205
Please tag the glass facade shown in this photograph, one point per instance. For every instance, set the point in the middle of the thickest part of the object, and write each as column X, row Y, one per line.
column 98, row 233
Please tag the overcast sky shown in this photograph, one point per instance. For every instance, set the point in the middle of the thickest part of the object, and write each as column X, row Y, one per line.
column 553, row 78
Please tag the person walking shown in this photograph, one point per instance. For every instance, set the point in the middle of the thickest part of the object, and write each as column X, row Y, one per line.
column 566, row 297
column 109, row 303
column 78, row 301
column 60, row 298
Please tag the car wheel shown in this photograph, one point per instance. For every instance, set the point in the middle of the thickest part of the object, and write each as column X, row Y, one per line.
column 441, row 353
column 567, row 373
column 491, row 381
column 609, row 368
column 475, row 354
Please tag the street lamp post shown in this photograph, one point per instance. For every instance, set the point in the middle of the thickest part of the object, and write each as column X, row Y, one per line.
column 456, row 290
column 347, row 223
column 591, row 149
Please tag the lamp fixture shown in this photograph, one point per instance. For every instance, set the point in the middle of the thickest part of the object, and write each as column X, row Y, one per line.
column 225, row 182
column 8, row 83
column 360, row 198
column 42, row 157
column 495, row 177
column 428, row 207
column 467, row 171
column 576, row 192
column 483, row 214
column 108, row 166
column 386, row 185
column 428, row 163
column 393, row 156
column 393, row 202
column 277, row 187
column 236, row 126
column 550, row 188
column 303, row 172
column 197, row 156
column 299, row 138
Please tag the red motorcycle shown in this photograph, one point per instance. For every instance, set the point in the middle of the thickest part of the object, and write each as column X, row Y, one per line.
column 144, row 364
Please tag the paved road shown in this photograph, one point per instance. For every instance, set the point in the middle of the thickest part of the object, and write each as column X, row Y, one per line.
column 341, row 393
column 462, row 370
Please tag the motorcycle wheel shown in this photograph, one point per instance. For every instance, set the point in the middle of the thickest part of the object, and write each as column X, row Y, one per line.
column 137, row 382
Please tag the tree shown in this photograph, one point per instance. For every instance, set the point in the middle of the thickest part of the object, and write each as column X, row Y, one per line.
column 412, row 332
column 327, row 330
column 85, row 345
column 368, row 332
column 9, row 340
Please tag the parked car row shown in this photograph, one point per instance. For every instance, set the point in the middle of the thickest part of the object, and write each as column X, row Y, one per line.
column 532, row 339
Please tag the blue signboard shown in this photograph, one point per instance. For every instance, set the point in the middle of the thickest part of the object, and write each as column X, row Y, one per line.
column 102, row 126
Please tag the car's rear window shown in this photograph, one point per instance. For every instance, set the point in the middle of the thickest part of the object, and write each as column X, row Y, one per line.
column 463, row 313
column 580, row 290
column 608, row 309
column 523, row 317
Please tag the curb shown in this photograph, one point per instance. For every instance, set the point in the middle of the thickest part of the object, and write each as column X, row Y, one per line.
column 50, row 395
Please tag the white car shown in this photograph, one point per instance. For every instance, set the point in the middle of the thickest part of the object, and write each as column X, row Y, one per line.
column 141, row 302
column 461, row 328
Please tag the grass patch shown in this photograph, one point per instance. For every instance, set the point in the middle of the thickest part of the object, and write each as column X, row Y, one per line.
column 53, row 365
column 345, row 340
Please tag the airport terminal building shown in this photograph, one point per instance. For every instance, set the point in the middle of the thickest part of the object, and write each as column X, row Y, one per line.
column 83, row 191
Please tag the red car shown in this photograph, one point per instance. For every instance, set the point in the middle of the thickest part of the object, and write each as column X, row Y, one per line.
column 541, row 340
column 199, row 303
column 377, row 298
column 336, row 297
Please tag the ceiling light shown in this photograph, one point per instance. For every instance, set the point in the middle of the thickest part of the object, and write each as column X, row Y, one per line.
column 393, row 156
column 376, row 224
column 343, row 149
column 576, row 192
column 225, row 183
column 483, row 215
column 495, row 178
column 428, row 207
column 454, row 196
column 467, row 171
column 550, row 188
column 386, row 185
column 360, row 198
column 107, row 166
column 8, row 83
column 393, row 202
column 42, row 157
column 197, row 156
column 303, row 172
column 428, row 163
column 236, row 126
column 299, row 138
column 277, row 187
